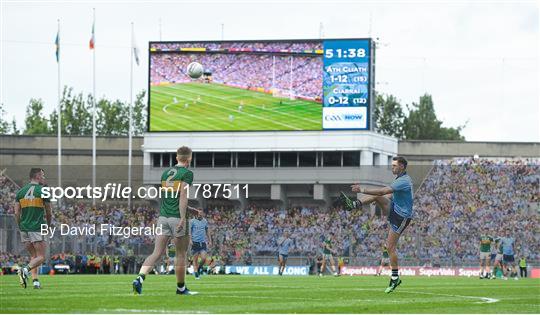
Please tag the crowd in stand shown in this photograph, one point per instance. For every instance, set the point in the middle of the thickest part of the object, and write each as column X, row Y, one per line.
column 244, row 70
column 81, row 214
column 252, row 46
column 461, row 197
column 7, row 195
column 457, row 200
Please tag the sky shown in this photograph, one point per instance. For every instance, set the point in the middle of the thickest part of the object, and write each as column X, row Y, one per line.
column 479, row 60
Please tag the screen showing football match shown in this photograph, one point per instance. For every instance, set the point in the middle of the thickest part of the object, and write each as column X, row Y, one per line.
column 260, row 85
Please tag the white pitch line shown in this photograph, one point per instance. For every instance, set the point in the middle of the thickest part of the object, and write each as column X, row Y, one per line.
column 484, row 300
column 243, row 113
column 254, row 96
column 165, row 107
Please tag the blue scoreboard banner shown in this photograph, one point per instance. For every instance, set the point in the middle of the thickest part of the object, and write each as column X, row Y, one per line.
column 346, row 84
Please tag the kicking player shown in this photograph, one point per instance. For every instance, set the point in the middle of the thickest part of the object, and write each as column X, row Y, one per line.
column 31, row 211
column 485, row 255
column 396, row 201
column 173, row 221
column 385, row 260
column 283, row 244
column 327, row 249
column 199, row 237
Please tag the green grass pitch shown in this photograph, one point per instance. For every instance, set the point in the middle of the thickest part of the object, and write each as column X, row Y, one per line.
column 217, row 109
column 270, row 294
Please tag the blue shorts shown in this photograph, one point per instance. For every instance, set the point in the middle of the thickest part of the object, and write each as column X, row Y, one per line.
column 283, row 256
column 397, row 222
column 198, row 247
column 508, row 259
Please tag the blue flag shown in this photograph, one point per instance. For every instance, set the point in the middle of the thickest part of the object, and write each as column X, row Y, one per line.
column 57, row 44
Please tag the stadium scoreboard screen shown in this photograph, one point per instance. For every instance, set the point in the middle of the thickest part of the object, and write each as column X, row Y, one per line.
column 346, row 83
column 261, row 85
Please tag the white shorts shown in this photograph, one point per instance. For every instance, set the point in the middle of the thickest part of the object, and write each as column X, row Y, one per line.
column 32, row 237
column 499, row 257
column 168, row 226
column 485, row 255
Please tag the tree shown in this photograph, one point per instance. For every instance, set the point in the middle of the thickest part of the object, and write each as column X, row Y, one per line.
column 4, row 125
column 76, row 114
column 35, row 122
column 14, row 129
column 139, row 114
column 388, row 116
column 112, row 118
column 422, row 124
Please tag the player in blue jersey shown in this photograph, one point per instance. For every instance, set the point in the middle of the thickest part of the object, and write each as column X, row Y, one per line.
column 283, row 243
column 508, row 244
column 200, row 238
column 396, row 201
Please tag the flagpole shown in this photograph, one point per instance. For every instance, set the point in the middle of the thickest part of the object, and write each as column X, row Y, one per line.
column 94, row 109
column 222, row 31
column 160, row 29
column 130, row 109
column 59, row 116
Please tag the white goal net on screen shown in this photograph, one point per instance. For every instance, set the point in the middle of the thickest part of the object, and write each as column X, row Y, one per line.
column 283, row 93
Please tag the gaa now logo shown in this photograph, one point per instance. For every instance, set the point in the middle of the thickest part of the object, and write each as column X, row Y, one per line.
column 344, row 117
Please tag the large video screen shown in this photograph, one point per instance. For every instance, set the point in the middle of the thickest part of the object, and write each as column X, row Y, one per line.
column 260, row 85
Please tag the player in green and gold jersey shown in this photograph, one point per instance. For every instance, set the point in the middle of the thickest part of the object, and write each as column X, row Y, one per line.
column 328, row 255
column 485, row 255
column 31, row 211
column 173, row 218
column 385, row 260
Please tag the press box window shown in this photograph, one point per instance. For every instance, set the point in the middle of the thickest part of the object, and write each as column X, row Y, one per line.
column 156, row 159
column 246, row 159
column 351, row 158
column 166, row 159
column 307, row 159
column 265, row 159
column 288, row 159
column 222, row 159
column 331, row 159
column 204, row 159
